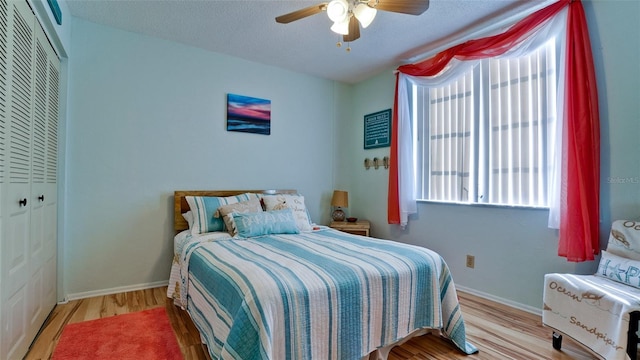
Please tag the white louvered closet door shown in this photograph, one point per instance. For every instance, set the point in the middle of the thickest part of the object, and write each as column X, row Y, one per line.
column 4, row 121
column 15, row 241
column 43, row 199
column 47, row 197
column 28, row 197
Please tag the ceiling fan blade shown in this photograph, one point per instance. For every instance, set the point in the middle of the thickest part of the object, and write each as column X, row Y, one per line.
column 411, row 7
column 302, row 13
column 354, row 30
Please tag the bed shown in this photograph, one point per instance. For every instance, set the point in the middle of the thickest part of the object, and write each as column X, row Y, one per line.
column 272, row 291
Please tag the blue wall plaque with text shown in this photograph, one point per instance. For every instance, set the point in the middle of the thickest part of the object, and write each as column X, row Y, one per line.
column 377, row 129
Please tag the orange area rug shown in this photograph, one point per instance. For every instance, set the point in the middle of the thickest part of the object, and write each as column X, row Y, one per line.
column 140, row 335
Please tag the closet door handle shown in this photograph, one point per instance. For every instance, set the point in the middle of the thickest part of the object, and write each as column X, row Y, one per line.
column 41, row 197
column 23, row 202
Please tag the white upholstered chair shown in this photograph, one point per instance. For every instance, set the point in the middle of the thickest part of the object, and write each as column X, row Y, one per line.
column 600, row 311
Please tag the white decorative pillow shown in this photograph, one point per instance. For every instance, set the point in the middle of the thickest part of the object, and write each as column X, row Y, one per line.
column 226, row 211
column 619, row 269
column 293, row 202
column 624, row 239
column 188, row 217
column 206, row 217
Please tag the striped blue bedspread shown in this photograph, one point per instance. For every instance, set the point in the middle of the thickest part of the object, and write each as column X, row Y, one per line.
column 319, row 295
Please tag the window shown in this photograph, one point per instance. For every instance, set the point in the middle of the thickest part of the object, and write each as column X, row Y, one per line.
column 483, row 137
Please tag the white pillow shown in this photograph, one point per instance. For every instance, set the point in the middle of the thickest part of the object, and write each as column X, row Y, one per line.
column 293, row 202
column 188, row 216
column 620, row 269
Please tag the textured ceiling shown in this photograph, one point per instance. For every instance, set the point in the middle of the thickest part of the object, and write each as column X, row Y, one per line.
column 247, row 29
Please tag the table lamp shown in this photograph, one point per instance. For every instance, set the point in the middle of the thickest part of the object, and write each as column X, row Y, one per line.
column 339, row 200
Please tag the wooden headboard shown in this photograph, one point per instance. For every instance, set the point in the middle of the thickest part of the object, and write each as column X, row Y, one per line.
column 181, row 206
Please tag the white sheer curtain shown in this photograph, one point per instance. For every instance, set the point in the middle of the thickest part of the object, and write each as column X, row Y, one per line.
column 555, row 27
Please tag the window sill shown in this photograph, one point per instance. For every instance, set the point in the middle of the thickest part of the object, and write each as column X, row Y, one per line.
column 523, row 207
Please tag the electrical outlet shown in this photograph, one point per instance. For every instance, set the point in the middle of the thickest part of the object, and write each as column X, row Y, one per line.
column 471, row 261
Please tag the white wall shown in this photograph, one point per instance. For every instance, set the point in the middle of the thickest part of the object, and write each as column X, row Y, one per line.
column 147, row 117
column 513, row 247
column 614, row 27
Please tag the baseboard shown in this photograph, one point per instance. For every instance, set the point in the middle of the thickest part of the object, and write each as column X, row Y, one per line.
column 513, row 304
column 116, row 290
column 121, row 289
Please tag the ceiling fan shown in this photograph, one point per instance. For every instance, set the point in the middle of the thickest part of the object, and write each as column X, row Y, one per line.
column 349, row 15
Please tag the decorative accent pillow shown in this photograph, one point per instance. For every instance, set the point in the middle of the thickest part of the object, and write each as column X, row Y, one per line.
column 624, row 239
column 293, row 202
column 206, row 217
column 188, row 217
column 265, row 222
column 226, row 211
column 619, row 269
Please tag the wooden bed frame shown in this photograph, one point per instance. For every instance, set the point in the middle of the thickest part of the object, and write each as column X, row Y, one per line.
column 181, row 206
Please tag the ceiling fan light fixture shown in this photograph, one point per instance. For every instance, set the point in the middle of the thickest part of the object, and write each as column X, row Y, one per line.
column 338, row 10
column 365, row 14
column 341, row 27
column 349, row 16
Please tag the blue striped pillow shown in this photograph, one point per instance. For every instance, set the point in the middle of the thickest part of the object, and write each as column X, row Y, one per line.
column 206, row 217
column 265, row 223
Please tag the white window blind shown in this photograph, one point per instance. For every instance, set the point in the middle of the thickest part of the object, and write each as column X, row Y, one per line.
column 484, row 134
column 451, row 128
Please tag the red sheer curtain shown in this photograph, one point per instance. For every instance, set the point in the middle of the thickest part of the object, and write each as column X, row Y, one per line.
column 393, row 203
column 579, row 227
column 580, row 210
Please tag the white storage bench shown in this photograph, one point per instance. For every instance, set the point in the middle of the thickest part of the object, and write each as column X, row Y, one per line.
column 600, row 311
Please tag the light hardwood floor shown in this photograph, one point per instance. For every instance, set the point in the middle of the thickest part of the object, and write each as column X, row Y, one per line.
column 499, row 331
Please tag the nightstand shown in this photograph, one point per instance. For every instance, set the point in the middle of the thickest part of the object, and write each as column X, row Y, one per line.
column 360, row 227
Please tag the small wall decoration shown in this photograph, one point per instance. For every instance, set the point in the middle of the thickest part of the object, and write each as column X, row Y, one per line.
column 376, row 162
column 377, row 129
column 248, row 114
column 55, row 10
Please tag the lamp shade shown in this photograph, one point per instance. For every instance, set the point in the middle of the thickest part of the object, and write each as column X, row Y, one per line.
column 340, row 198
column 341, row 28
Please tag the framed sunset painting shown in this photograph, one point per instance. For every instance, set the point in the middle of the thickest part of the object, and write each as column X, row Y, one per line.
column 248, row 114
